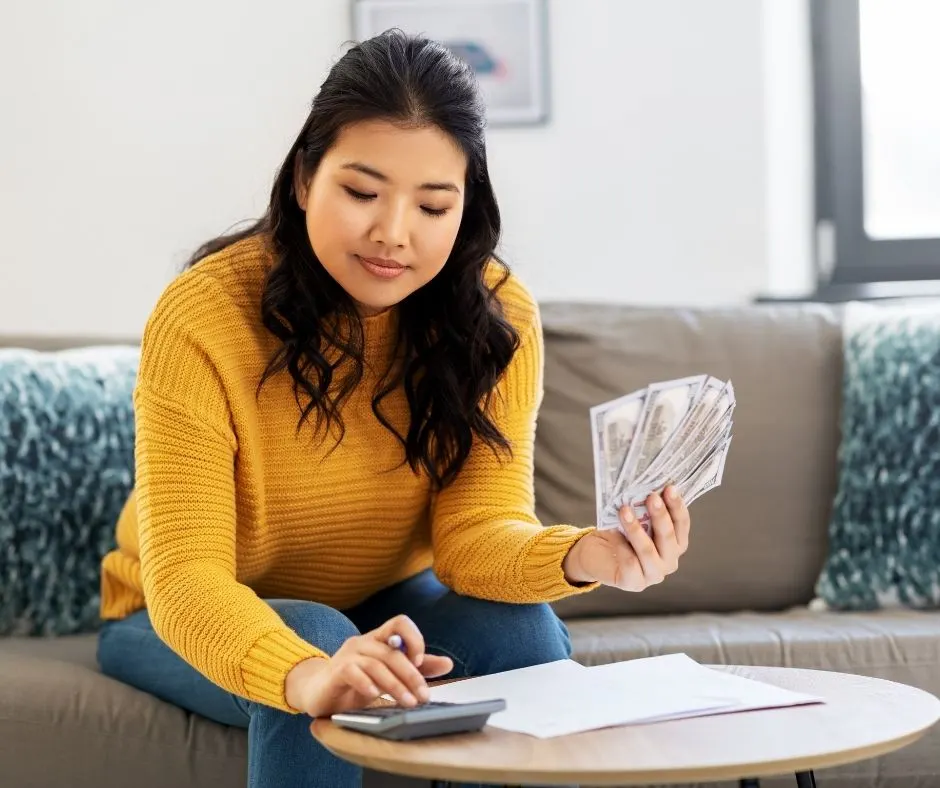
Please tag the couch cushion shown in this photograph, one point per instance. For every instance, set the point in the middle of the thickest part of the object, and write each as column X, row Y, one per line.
column 66, row 469
column 898, row 645
column 102, row 732
column 759, row 540
column 107, row 734
column 885, row 532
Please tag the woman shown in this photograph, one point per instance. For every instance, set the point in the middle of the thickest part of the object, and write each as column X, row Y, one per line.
column 335, row 418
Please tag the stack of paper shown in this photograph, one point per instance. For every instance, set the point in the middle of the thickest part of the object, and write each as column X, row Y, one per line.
column 564, row 697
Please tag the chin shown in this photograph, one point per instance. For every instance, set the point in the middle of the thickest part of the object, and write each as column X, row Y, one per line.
column 371, row 306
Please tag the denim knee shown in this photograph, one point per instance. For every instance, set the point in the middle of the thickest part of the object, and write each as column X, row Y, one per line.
column 539, row 635
column 320, row 625
column 513, row 635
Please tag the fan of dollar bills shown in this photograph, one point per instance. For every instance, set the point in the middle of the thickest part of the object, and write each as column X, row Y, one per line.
column 673, row 432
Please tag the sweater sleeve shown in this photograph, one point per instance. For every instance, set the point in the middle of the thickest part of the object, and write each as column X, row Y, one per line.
column 185, row 453
column 487, row 541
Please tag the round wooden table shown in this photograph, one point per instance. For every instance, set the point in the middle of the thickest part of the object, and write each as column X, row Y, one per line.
column 861, row 718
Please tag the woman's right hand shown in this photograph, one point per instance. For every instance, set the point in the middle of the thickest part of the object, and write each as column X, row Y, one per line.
column 363, row 668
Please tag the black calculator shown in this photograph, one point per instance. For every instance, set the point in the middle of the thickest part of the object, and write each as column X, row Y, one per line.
column 434, row 718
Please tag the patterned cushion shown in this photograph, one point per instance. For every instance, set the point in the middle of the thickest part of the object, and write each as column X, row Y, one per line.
column 66, row 469
column 884, row 532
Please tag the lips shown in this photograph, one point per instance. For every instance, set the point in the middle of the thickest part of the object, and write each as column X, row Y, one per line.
column 382, row 262
column 382, row 268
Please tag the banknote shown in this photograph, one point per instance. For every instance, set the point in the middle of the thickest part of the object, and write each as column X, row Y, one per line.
column 702, row 431
column 687, row 461
column 705, row 477
column 671, row 432
column 709, row 476
column 613, row 425
column 699, row 414
column 665, row 406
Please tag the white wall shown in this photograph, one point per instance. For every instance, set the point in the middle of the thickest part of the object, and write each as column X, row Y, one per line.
column 133, row 131
column 788, row 148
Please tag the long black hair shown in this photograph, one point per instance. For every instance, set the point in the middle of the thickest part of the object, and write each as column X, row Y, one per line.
column 454, row 341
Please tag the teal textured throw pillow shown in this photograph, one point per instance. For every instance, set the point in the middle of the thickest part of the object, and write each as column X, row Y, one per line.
column 66, row 469
column 884, row 535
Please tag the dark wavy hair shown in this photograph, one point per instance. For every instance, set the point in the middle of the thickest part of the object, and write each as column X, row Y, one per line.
column 453, row 338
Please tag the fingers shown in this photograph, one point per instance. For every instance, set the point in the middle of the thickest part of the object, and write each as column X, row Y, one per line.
column 644, row 548
column 664, row 533
column 434, row 666
column 656, row 554
column 681, row 519
column 388, row 682
column 392, row 672
column 411, row 636
column 356, row 677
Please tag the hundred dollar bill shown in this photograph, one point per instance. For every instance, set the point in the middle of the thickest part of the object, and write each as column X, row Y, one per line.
column 676, row 431
column 693, row 479
column 687, row 475
column 666, row 405
column 710, row 474
column 692, row 424
column 613, row 425
column 703, row 478
column 686, row 455
column 693, row 461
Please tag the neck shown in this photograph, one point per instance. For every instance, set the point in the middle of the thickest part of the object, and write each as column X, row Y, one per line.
column 371, row 311
column 380, row 330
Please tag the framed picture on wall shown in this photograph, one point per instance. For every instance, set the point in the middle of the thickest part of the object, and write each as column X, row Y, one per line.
column 504, row 41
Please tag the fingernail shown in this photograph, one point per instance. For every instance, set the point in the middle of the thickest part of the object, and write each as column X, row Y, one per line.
column 409, row 699
column 672, row 494
column 657, row 503
column 627, row 514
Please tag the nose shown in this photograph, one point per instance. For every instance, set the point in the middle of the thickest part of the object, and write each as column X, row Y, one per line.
column 391, row 227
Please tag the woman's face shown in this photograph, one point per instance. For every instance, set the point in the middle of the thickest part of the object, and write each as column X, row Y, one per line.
column 383, row 209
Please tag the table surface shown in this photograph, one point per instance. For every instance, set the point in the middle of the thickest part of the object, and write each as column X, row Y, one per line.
column 861, row 718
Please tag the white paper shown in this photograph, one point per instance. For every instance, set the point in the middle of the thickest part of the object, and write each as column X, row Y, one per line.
column 564, row 697
column 684, row 675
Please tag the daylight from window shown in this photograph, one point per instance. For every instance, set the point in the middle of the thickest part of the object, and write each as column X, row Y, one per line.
column 900, row 65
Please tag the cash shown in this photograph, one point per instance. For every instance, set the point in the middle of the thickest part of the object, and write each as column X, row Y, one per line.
column 672, row 432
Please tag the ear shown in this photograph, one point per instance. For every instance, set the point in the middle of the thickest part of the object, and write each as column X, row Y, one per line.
column 300, row 184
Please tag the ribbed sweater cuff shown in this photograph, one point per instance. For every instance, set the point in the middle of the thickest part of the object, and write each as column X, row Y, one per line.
column 267, row 663
column 543, row 568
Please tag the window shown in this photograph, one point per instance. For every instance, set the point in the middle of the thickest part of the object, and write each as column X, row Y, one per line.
column 875, row 67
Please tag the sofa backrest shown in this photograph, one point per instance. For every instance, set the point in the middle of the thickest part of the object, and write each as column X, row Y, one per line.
column 758, row 542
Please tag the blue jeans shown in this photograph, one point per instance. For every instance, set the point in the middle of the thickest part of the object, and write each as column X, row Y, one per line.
column 481, row 637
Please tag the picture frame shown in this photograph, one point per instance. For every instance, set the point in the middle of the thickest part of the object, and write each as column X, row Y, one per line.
column 504, row 41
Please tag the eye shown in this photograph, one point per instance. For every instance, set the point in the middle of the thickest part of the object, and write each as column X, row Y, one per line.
column 361, row 196
column 434, row 211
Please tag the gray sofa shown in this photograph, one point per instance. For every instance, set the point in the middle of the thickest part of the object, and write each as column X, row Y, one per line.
column 741, row 594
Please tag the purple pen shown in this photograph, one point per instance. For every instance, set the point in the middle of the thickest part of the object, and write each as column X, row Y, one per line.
column 395, row 641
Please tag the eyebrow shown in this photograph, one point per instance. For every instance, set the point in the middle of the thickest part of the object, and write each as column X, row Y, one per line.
column 365, row 169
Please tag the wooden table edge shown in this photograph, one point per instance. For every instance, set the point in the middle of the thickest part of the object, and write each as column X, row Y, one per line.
column 684, row 774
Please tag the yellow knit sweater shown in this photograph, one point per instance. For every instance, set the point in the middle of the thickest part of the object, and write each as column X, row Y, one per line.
column 232, row 505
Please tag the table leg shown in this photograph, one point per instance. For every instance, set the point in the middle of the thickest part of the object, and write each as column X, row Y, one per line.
column 449, row 784
column 805, row 780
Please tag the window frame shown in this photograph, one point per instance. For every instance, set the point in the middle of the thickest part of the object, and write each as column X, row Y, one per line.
column 846, row 255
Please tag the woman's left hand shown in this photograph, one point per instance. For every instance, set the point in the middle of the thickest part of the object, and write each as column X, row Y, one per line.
column 628, row 558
